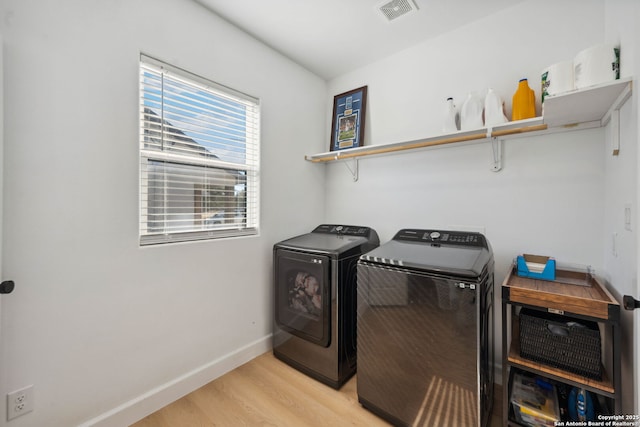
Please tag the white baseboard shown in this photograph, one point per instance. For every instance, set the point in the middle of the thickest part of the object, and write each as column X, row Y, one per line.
column 155, row 399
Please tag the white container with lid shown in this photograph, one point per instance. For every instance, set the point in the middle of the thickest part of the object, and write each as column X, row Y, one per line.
column 471, row 112
column 493, row 109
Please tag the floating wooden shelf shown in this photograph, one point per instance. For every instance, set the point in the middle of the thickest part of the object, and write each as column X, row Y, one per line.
column 579, row 109
column 511, row 128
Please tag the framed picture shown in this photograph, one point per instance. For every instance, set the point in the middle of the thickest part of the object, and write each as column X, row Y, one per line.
column 347, row 127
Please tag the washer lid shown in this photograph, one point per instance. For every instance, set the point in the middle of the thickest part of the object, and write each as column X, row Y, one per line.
column 444, row 252
column 334, row 239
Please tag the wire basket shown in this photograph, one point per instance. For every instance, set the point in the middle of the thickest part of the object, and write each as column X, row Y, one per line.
column 573, row 345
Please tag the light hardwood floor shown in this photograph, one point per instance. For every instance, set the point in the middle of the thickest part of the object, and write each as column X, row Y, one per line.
column 267, row 392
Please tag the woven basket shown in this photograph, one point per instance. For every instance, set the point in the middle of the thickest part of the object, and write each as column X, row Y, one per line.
column 562, row 342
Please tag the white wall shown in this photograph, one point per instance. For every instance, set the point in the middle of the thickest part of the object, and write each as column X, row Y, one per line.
column 95, row 320
column 440, row 186
column 550, row 197
column 547, row 199
column 621, row 190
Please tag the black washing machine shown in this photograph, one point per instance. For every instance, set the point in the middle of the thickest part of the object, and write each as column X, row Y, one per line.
column 425, row 329
column 315, row 300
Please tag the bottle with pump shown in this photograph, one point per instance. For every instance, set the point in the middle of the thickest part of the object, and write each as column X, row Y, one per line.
column 449, row 123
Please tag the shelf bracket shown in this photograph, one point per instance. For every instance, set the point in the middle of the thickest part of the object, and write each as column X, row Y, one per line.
column 354, row 169
column 496, row 149
column 615, row 132
column 613, row 116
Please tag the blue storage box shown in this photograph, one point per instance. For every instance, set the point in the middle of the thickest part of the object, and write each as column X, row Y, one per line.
column 536, row 267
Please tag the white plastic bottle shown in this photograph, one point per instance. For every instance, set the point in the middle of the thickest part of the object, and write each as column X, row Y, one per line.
column 449, row 122
column 493, row 109
column 471, row 112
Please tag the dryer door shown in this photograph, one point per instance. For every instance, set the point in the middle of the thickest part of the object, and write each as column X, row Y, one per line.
column 302, row 295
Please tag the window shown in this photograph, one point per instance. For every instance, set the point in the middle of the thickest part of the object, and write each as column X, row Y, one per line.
column 199, row 157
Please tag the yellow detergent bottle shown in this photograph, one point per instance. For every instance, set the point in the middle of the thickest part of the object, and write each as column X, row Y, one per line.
column 524, row 102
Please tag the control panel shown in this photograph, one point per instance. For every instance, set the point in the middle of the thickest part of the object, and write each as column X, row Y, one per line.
column 348, row 230
column 448, row 237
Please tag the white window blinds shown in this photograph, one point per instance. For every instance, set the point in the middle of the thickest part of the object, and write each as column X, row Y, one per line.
column 199, row 157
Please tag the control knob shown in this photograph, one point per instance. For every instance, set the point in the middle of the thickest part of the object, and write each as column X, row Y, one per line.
column 434, row 235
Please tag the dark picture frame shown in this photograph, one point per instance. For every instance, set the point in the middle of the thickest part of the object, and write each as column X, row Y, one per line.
column 347, row 126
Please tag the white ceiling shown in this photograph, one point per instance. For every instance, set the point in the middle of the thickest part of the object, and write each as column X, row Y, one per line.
column 333, row 37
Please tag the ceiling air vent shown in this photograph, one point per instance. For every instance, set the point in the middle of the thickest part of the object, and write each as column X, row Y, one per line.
column 396, row 8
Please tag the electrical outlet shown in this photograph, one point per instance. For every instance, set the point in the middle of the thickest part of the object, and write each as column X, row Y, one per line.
column 19, row 402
